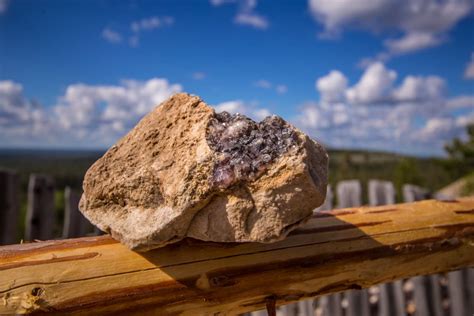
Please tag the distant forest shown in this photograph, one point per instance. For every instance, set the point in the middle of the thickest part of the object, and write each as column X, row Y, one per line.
column 68, row 167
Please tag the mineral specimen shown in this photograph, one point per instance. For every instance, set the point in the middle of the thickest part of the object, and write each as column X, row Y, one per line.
column 186, row 171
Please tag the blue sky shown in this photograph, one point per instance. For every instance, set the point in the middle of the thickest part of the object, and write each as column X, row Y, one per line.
column 386, row 75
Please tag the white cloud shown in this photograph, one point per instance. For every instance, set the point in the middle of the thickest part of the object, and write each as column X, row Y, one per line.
column 461, row 102
column 374, row 86
column 264, row 84
column 252, row 19
column 437, row 128
column 151, row 23
column 136, row 28
column 376, row 113
column 417, row 88
column 111, row 36
column 246, row 14
column 4, row 6
column 239, row 106
column 199, row 75
column 221, row 2
column 422, row 23
column 469, row 71
column 134, row 40
column 281, row 89
column 87, row 115
column 412, row 42
column 332, row 87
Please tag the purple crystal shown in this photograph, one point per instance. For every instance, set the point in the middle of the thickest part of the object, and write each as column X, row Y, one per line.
column 245, row 147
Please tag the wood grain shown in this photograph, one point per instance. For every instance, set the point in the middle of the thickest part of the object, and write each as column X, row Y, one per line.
column 336, row 250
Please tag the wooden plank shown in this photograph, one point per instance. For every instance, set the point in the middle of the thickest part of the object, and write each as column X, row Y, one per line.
column 419, row 305
column 469, row 287
column 306, row 308
column 328, row 202
column 436, row 308
column 349, row 194
column 334, row 251
column 40, row 212
column 9, row 206
column 458, row 302
column 390, row 299
column 75, row 224
column 412, row 193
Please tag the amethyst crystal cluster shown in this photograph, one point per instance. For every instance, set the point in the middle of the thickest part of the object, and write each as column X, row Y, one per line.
column 245, row 147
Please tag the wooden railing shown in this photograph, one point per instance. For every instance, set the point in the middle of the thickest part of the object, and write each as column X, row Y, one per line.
column 438, row 294
column 337, row 250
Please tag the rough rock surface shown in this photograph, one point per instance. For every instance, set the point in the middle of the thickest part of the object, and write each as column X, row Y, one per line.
column 185, row 171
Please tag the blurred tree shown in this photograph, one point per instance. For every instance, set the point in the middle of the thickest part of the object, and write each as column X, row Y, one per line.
column 461, row 154
column 407, row 171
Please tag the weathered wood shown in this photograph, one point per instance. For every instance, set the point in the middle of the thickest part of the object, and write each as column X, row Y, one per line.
column 436, row 296
column 40, row 212
column 469, row 287
column 422, row 296
column 75, row 224
column 412, row 193
column 390, row 300
column 349, row 194
column 458, row 300
column 9, row 206
column 335, row 251
column 327, row 205
column 305, row 307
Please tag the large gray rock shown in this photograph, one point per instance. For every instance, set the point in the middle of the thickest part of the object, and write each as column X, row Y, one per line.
column 185, row 171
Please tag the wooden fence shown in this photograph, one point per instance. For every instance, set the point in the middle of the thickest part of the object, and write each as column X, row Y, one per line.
column 443, row 294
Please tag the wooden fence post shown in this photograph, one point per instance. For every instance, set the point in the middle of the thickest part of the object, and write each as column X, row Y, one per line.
column 9, row 206
column 327, row 205
column 322, row 304
column 391, row 300
column 349, row 194
column 459, row 292
column 412, row 193
column 75, row 224
column 40, row 212
column 426, row 290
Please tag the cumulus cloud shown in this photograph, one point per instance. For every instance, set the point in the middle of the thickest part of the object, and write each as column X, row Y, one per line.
column 461, row 102
column 375, row 112
column 375, row 85
column 246, row 14
column 92, row 115
column 469, row 71
column 4, row 6
column 136, row 29
column 418, row 88
column 411, row 42
column 332, row 87
column 422, row 23
column 21, row 120
column 199, row 75
column 239, row 106
column 281, row 89
column 111, row 36
column 151, row 23
column 265, row 84
column 252, row 19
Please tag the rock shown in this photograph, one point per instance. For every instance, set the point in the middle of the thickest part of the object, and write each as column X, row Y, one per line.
column 185, row 171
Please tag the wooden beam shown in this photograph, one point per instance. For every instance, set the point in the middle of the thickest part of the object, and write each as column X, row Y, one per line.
column 336, row 250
